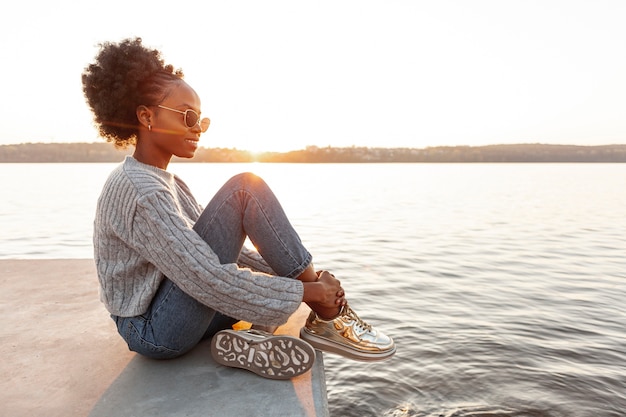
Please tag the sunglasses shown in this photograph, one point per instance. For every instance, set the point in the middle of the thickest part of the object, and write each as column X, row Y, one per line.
column 191, row 118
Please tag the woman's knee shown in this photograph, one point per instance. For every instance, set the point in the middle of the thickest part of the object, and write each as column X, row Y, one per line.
column 247, row 181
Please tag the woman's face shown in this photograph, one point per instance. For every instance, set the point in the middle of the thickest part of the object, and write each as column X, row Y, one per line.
column 169, row 134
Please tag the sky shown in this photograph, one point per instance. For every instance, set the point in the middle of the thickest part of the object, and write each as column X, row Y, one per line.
column 284, row 75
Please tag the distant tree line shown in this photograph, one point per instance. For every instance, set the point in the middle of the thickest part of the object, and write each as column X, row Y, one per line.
column 62, row 152
column 448, row 154
column 104, row 152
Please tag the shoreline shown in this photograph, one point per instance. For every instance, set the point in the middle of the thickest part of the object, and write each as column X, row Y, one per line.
column 509, row 153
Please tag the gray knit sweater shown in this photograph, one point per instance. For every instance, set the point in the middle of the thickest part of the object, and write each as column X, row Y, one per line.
column 143, row 233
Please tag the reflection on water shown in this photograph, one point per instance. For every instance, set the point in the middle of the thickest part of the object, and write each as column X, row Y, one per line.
column 503, row 285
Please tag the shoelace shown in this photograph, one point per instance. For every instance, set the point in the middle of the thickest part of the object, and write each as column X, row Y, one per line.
column 360, row 322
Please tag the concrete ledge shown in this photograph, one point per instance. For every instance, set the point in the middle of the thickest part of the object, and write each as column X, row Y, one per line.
column 61, row 356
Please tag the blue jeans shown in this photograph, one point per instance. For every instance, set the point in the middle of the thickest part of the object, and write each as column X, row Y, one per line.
column 244, row 207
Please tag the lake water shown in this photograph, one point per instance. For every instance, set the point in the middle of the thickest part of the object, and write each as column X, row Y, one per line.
column 504, row 285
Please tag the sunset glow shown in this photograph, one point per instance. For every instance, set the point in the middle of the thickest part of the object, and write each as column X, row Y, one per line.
column 282, row 75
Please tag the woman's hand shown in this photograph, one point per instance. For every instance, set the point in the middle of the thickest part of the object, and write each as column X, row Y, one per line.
column 334, row 295
column 325, row 296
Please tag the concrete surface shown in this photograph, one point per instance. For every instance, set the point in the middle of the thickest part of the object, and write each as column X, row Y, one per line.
column 61, row 356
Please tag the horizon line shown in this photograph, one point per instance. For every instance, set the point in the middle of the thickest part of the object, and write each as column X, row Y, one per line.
column 307, row 147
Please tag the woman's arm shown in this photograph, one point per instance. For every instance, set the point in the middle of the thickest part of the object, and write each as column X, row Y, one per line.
column 165, row 239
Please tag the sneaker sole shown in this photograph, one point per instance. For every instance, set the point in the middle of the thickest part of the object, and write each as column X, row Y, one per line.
column 269, row 356
column 326, row 345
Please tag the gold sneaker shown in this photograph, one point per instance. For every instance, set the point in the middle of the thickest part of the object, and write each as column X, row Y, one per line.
column 347, row 335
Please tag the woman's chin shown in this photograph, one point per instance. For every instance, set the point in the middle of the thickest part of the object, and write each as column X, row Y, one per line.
column 186, row 154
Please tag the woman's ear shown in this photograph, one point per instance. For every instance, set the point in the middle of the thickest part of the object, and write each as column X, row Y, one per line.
column 144, row 115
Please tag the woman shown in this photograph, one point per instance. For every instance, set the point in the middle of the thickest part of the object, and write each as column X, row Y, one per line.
column 172, row 273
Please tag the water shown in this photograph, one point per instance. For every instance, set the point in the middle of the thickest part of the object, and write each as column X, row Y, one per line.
column 503, row 285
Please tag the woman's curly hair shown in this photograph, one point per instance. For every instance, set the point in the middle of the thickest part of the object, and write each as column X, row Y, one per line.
column 125, row 75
